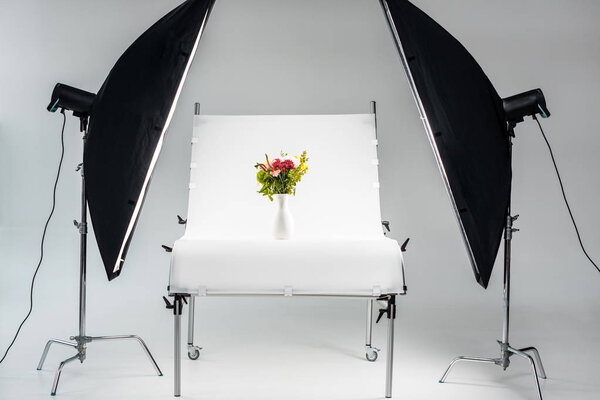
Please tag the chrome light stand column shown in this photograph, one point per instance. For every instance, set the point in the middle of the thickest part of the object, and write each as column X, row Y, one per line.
column 81, row 340
column 506, row 350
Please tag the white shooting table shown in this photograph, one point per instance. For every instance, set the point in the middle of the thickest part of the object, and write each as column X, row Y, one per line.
column 338, row 249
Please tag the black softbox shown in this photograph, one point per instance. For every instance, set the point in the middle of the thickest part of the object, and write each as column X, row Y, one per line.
column 464, row 118
column 128, row 121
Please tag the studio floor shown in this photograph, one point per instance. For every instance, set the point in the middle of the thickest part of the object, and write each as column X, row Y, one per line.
column 313, row 349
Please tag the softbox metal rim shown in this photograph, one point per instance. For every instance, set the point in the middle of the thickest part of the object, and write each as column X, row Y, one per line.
column 429, row 131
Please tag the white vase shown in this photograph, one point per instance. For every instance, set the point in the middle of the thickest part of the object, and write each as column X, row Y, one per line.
column 283, row 223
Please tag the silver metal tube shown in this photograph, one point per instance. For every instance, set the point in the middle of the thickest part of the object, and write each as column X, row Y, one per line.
column 59, row 371
column 538, row 360
column 297, row 293
column 191, row 302
column 369, row 322
column 390, row 356
column 82, row 252
column 463, row 358
column 403, row 277
column 373, row 109
column 133, row 337
column 47, row 348
column 508, row 231
column 533, row 369
column 506, row 291
column 196, row 108
column 535, row 378
column 177, row 354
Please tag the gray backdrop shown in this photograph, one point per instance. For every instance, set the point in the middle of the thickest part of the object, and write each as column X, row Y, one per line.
column 301, row 57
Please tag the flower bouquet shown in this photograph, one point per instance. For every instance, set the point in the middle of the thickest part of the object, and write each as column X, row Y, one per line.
column 278, row 179
column 281, row 175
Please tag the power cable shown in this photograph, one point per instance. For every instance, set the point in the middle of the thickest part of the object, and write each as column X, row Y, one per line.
column 62, row 155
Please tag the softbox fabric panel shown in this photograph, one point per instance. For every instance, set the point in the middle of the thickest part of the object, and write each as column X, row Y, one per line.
column 128, row 122
column 468, row 128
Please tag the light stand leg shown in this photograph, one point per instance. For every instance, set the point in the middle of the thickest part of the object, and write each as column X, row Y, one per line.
column 465, row 358
column 59, row 371
column 533, row 369
column 389, row 365
column 134, row 337
column 47, row 348
column 538, row 360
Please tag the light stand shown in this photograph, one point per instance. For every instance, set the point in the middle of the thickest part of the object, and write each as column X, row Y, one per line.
column 81, row 340
column 428, row 59
column 506, row 350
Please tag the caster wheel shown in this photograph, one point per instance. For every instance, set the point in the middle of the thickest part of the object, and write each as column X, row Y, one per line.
column 194, row 353
column 372, row 355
